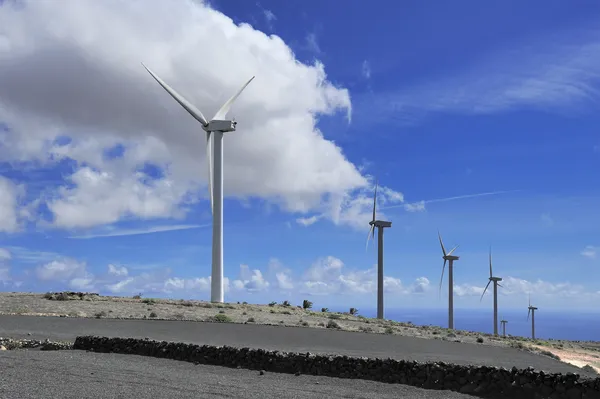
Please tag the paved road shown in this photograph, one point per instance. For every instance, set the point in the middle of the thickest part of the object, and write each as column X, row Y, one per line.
column 280, row 338
column 78, row 374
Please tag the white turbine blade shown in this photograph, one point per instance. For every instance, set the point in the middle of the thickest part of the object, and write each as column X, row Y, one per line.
column 442, row 244
column 222, row 112
column 210, row 168
column 491, row 275
column 486, row 287
column 442, row 279
column 372, row 229
column 375, row 200
column 529, row 311
column 452, row 250
column 195, row 112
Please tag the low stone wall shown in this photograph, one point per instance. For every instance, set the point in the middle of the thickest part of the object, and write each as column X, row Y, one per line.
column 487, row 382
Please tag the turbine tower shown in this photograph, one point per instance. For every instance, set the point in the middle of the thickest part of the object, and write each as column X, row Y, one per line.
column 494, row 280
column 380, row 224
column 503, row 327
column 531, row 311
column 448, row 257
column 214, row 129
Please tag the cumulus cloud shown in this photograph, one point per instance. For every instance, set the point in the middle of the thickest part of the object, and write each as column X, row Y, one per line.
column 117, row 271
column 62, row 73
column 329, row 275
column 9, row 210
column 512, row 286
column 66, row 270
column 325, row 276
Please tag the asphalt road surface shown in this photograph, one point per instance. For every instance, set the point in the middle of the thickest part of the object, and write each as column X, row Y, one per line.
column 292, row 339
column 27, row 374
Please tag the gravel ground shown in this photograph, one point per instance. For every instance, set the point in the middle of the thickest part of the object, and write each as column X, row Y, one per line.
column 291, row 339
column 30, row 374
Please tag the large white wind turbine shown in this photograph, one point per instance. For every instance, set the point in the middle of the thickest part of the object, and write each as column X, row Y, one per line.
column 448, row 257
column 531, row 311
column 380, row 224
column 215, row 128
column 494, row 280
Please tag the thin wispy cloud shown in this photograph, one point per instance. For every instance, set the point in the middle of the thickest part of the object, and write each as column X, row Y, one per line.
column 132, row 232
column 420, row 205
column 366, row 69
column 558, row 73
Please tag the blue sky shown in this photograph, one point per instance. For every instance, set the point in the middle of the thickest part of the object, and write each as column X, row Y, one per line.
column 435, row 100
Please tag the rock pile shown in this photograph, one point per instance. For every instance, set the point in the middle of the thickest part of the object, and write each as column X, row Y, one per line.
column 488, row 382
column 10, row 343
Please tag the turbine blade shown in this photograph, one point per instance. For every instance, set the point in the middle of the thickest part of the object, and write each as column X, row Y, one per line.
column 222, row 112
column 500, row 285
column 372, row 229
column 528, row 314
column 486, row 287
column 442, row 279
column 452, row 250
column 195, row 112
column 442, row 244
column 375, row 200
column 210, row 168
column 491, row 275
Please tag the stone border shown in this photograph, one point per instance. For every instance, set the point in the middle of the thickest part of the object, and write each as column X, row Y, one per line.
column 481, row 381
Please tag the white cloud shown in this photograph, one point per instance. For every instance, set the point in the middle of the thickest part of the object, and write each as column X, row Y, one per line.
column 308, row 221
column 269, row 15
column 114, row 232
column 415, row 207
column 589, row 252
column 117, row 271
column 512, row 286
column 104, row 97
column 5, row 255
column 9, row 201
column 312, row 43
column 67, row 270
column 328, row 275
column 559, row 74
column 366, row 69
column 250, row 280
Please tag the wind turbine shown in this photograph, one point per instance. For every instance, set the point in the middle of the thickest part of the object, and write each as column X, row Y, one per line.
column 380, row 224
column 215, row 128
column 531, row 311
column 494, row 280
column 503, row 327
column 448, row 257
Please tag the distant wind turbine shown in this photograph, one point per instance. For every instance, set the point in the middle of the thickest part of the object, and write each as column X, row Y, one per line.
column 503, row 326
column 380, row 224
column 448, row 257
column 531, row 311
column 215, row 128
column 494, row 280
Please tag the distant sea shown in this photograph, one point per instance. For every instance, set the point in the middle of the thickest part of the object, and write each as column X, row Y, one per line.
column 568, row 325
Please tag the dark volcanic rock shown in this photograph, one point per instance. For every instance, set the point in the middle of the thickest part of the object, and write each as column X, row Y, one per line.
column 482, row 381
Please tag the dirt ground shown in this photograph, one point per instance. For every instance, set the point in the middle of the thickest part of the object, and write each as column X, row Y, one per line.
column 91, row 305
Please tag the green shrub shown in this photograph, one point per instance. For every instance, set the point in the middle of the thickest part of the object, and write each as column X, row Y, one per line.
column 221, row 318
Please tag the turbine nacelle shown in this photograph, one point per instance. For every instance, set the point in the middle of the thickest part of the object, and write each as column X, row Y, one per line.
column 451, row 257
column 495, row 278
column 220, row 126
